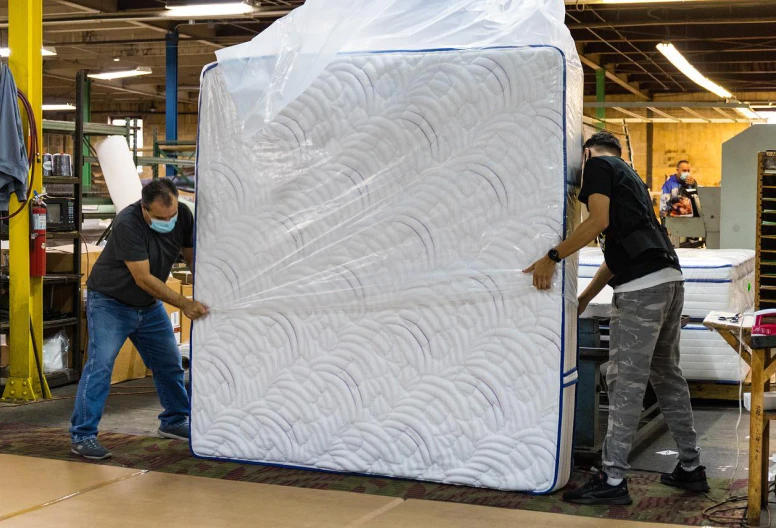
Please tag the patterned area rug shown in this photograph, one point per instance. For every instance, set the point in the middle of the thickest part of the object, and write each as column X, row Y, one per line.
column 652, row 502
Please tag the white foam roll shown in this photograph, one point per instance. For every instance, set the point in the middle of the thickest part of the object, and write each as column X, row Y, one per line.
column 119, row 170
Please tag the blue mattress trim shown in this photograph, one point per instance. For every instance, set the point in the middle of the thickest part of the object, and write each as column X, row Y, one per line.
column 702, row 281
column 563, row 290
column 683, row 267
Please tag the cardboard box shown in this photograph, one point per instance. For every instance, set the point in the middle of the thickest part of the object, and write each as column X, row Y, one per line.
column 187, row 290
column 5, row 351
column 3, row 257
column 128, row 365
column 184, row 276
column 174, row 313
column 60, row 259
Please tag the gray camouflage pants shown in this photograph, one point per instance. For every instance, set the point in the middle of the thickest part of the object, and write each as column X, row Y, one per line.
column 644, row 346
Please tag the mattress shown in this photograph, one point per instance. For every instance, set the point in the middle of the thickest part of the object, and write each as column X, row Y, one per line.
column 715, row 280
column 361, row 260
column 706, row 356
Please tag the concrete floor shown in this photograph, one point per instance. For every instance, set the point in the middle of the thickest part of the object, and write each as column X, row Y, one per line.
column 136, row 414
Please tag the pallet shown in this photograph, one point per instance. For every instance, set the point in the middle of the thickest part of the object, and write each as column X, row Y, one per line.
column 716, row 391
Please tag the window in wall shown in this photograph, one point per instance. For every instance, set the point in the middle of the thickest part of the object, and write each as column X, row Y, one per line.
column 138, row 135
column 769, row 115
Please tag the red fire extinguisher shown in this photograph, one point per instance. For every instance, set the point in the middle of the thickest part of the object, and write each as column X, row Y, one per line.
column 38, row 238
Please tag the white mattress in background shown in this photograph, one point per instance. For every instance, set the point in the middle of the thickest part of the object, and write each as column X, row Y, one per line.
column 715, row 280
column 361, row 259
column 705, row 356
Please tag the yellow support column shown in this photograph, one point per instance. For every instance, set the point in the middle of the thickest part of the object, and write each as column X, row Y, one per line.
column 25, row 39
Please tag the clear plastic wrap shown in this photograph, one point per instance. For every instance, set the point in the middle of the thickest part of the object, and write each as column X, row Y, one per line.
column 363, row 217
column 55, row 351
column 278, row 65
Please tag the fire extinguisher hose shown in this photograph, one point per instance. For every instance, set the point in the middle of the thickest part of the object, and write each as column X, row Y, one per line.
column 32, row 152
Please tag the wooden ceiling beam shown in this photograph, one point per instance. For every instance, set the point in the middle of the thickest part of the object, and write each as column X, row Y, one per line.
column 615, row 78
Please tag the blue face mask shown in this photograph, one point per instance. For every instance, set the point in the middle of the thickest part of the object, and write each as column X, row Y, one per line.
column 684, row 176
column 164, row 226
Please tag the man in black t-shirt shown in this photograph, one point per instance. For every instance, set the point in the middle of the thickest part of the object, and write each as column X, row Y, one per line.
column 126, row 291
column 642, row 267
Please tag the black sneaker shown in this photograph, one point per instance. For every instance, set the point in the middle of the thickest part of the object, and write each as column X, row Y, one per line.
column 694, row 480
column 176, row 432
column 597, row 491
column 90, row 448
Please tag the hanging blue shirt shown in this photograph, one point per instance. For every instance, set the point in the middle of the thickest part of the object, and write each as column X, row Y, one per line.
column 13, row 153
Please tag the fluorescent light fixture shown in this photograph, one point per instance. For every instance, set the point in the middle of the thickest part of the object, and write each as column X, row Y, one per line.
column 66, row 107
column 748, row 113
column 121, row 74
column 205, row 9
column 678, row 60
column 46, row 52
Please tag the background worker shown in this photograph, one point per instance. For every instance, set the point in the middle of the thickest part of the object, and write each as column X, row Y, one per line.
column 680, row 193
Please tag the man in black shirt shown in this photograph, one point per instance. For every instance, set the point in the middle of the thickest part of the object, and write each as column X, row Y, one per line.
column 642, row 267
column 126, row 291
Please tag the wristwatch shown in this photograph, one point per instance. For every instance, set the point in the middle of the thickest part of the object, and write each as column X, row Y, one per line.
column 553, row 255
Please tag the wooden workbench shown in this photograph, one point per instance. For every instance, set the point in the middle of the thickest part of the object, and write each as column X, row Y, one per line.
column 763, row 365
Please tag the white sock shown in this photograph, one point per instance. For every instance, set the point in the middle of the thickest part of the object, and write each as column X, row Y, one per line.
column 613, row 481
column 689, row 468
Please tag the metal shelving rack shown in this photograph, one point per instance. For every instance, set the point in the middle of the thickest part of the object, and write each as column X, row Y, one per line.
column 765, row 263
column 175, row 154
column 81, row 132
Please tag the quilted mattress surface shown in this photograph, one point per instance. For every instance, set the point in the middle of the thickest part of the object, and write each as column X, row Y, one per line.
column 361, row 258
column 706, row 356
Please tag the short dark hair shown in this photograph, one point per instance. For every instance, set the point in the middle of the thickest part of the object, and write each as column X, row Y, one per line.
column 683, row 161
column 606, row 141
column 161, row 189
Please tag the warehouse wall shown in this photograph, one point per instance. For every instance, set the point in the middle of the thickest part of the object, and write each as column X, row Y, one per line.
column 699, row 143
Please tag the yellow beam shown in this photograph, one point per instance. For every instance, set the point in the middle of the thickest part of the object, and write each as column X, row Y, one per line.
column 25, row 38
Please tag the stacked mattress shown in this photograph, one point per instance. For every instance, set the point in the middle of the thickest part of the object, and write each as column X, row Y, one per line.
column 361, row 258
column 715, row 280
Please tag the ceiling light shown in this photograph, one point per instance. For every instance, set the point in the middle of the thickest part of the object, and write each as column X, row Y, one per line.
column 748, row 113
column 46, row 52
column 678, row 60
column 66, row 107
column 116, row 59
column 110, row 75
column 208, row 8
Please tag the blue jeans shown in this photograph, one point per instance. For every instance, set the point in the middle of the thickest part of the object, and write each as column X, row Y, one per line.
column 110, row 324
